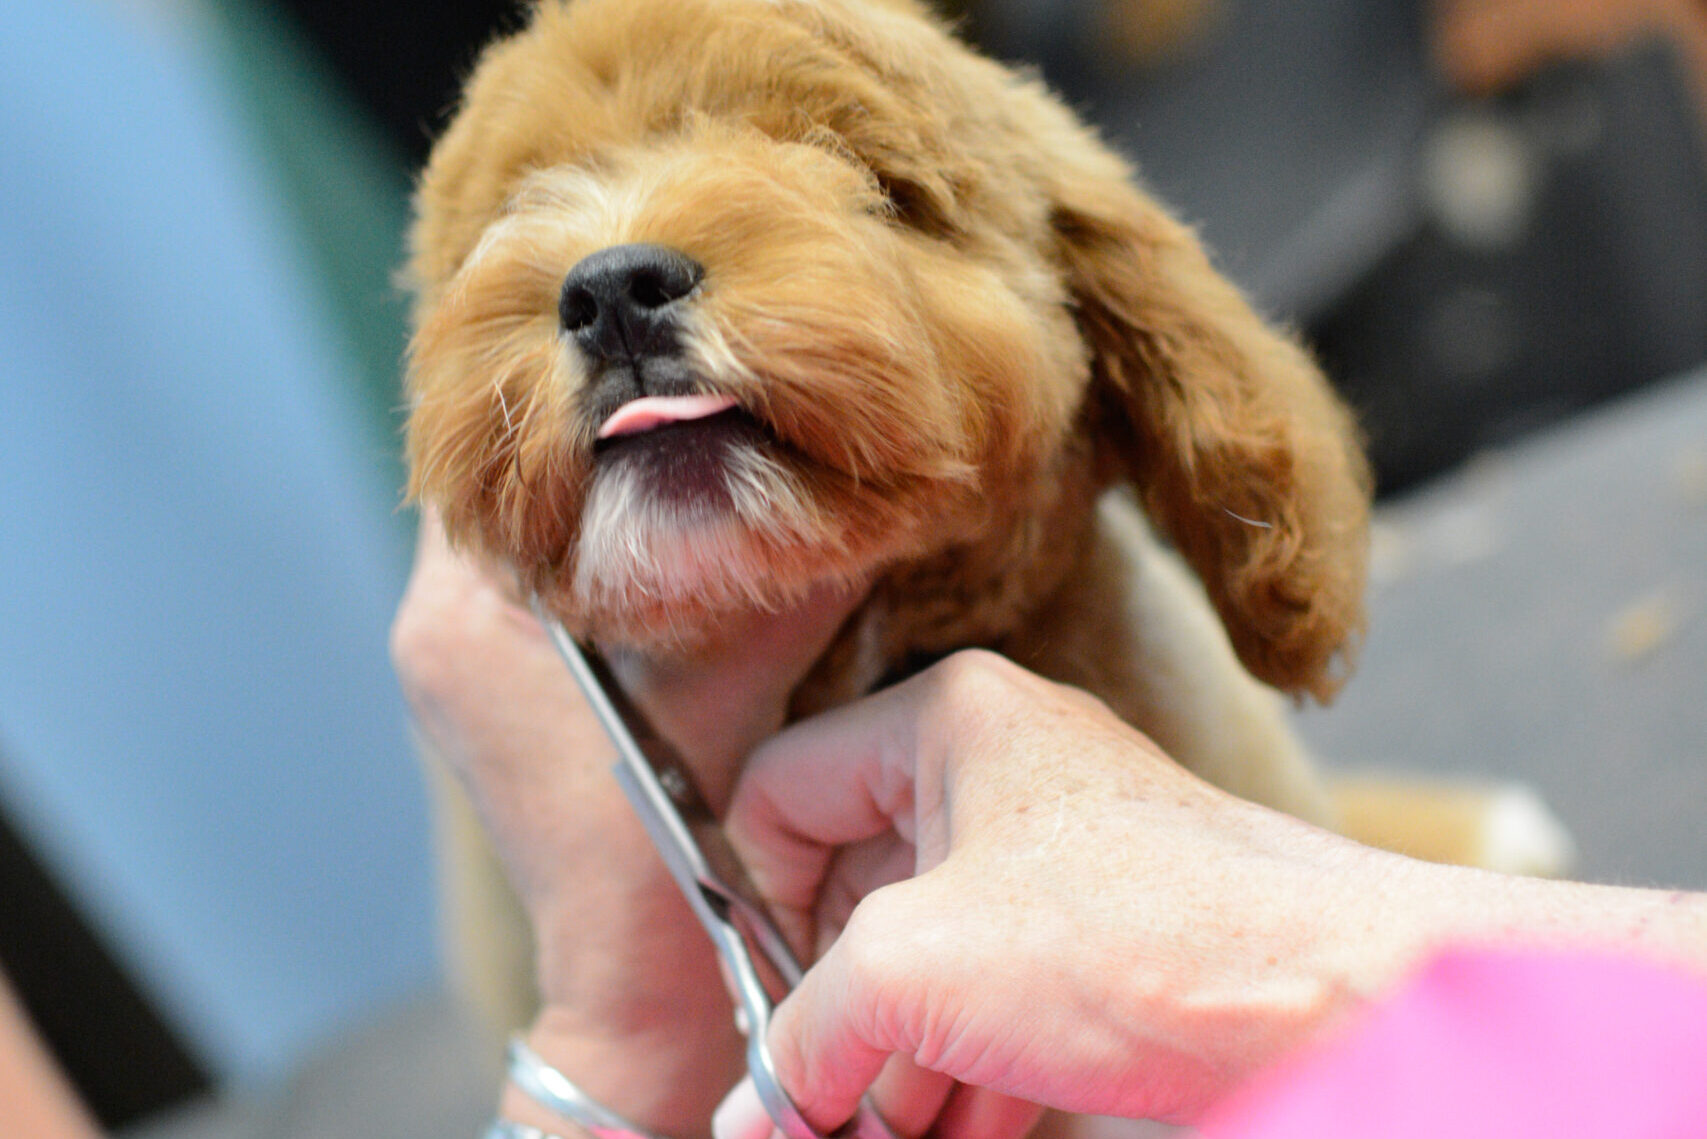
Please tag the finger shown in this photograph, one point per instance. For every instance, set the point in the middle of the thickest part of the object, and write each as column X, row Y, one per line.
column 979, row 1113
column 853, row 1028
column 880, row 764
column 1489, row 46
column 835, row 1033
column 821, row 784
column 909, row 1098
column 854, row 872
column 742, row 1114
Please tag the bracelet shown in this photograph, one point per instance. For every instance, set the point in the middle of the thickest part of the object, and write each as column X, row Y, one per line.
column 553, row 1091
column 509, row 1129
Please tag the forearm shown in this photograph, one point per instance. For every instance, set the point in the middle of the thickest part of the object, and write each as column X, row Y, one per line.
column 1311, row 930
column 1159, row 940
column 35, row 1099
column 1443, row 906
column 1363, row 920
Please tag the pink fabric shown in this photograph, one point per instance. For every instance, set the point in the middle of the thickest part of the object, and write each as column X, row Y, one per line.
column 1512, row 1046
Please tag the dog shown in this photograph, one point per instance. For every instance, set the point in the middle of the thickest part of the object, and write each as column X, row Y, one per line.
column 722, row 302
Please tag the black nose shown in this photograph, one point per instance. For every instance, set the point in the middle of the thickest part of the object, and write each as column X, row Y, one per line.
column 617, row 301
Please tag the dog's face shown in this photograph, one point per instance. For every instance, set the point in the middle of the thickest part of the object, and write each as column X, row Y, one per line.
column 721, row 299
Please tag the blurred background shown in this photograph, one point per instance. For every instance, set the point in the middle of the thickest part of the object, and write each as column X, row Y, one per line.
column 1488, row 216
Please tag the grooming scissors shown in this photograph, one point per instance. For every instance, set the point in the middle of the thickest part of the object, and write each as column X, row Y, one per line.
column 712, row 878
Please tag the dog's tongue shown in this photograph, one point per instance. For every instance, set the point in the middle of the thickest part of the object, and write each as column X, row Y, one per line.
column 656, row 410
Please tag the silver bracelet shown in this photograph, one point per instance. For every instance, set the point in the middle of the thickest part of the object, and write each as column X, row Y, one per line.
column 509, row 1129
column 553, row 1091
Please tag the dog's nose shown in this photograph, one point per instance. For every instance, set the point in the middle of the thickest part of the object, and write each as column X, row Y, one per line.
column 616, row 301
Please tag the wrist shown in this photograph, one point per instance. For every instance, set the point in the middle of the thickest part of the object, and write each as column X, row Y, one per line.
column 660, row 1081
column 1460, row 907
column 624, row 958
column 634, row 1011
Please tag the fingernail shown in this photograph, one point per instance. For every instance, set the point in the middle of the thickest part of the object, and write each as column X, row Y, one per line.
column 741, row 1115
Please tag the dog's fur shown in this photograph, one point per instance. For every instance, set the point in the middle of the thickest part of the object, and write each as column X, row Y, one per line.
column 955, row 315
column 980, row 363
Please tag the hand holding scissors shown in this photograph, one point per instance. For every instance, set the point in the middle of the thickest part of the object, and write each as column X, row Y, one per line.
column 755, row 956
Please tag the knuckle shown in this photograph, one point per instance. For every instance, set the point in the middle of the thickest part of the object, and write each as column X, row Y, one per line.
column 899, row 958
column 975, row 680
column 875, row 942
column 413, row 640
column 440, row 624
column 980, row 696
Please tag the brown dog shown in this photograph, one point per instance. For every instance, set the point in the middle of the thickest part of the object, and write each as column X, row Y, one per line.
column 722, row 301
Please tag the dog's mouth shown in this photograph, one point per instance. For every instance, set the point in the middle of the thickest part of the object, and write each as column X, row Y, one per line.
column 649, row 413
column 680, row 445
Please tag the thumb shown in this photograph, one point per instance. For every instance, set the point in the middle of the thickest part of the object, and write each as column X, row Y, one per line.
column 826, row 1038
column 742, row 1114
column 859, row 1020
column 832, row 1037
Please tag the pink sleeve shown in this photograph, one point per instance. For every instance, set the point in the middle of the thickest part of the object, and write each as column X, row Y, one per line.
column 1506, row 1045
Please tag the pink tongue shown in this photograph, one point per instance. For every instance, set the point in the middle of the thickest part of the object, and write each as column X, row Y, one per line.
column 655, row 410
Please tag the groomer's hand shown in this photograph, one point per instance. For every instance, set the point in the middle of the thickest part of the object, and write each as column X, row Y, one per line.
column 633, row 1007
column 1091, row 928
column 1489, row 45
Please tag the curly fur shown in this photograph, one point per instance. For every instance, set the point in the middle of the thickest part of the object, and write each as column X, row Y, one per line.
column 952, row 310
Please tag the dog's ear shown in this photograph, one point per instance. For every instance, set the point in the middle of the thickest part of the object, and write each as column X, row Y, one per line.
column 1233, row 439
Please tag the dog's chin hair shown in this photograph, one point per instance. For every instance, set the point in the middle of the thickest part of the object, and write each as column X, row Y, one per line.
column 655, row 569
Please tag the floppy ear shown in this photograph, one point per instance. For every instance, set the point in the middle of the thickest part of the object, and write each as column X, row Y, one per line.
column 1235, row 442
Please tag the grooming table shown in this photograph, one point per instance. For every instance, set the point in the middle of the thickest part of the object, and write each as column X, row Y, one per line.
column 1542, row 615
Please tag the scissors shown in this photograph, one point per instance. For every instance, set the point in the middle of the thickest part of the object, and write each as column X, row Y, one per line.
column 712, row 878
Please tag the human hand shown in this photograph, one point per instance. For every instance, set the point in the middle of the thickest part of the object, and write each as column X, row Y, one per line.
column 1486, row 46
column 633, row 1008
column 36, row 1098
column 1091, row 928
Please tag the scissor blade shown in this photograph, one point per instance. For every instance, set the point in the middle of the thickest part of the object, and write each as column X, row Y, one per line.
column 638, row 745
column 675, row 814
column 686, row 832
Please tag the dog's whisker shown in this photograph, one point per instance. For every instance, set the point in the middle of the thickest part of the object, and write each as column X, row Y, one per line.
column 1247, row 521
